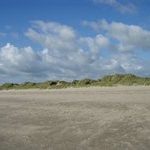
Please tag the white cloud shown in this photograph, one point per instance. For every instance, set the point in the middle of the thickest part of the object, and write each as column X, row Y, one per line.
column 47, row 34
column 129, row 37
column 94, row 44
column 15, row 61
column 66, row 55
column 122, row 7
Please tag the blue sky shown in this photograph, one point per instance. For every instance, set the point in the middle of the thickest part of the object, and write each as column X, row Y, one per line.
column 40, row 39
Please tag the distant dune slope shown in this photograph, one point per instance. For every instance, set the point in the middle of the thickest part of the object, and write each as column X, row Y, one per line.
column 110, row 80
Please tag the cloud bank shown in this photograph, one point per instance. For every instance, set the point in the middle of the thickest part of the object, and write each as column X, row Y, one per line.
column 66, row 55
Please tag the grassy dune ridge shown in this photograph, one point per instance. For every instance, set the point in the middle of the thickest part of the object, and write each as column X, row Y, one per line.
column 109, row 80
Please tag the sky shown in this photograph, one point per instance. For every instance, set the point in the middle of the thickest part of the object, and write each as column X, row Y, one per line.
column 67, row 39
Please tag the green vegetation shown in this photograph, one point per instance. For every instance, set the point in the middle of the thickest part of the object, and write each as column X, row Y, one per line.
column 110, row 80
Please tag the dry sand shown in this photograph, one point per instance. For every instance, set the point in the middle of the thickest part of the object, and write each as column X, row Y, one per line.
column 116, row 118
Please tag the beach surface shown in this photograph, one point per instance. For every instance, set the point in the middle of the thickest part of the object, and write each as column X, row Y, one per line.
column 95, row 118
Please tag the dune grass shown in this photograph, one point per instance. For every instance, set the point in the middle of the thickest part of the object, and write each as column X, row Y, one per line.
column 109, row 80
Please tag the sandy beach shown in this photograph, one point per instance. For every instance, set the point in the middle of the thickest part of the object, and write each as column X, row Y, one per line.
column 107, row 118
